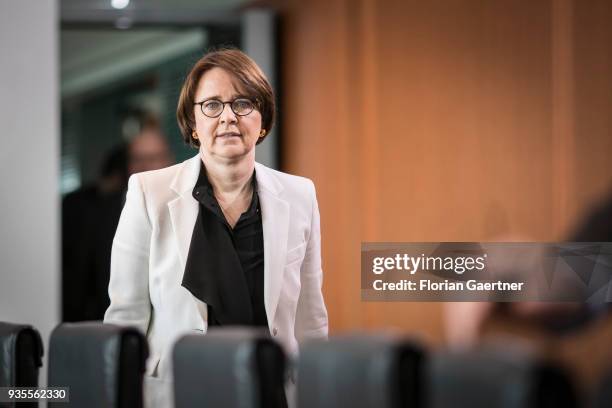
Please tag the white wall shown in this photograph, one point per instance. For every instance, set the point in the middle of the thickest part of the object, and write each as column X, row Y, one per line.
column 29, row 165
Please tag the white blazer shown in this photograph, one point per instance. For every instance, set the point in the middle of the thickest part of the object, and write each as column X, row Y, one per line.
column 150, row 250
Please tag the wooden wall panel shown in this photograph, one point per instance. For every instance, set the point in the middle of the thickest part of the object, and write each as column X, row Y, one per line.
column 592, row 174
column 441, row 121
column 467, row 106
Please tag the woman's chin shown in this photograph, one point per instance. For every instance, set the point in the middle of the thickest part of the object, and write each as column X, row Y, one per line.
column 231, row 151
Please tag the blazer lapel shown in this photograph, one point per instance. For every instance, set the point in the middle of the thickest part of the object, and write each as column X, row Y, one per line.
column 275, row 223
column 184, row 209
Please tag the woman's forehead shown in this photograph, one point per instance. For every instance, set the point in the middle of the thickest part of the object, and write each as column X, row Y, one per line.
column 218, row 83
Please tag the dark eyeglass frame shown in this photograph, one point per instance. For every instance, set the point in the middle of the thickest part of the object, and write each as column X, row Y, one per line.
column 231, row 104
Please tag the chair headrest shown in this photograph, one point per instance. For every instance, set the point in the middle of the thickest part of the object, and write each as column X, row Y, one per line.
column 97, row 361
column 13, row 339
column 229, row 367
column 361, row 371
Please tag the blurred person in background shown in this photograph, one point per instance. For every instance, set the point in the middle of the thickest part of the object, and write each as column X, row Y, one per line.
column 218, row 240
column 89, row 220
column 575, row 334
column 149, row 150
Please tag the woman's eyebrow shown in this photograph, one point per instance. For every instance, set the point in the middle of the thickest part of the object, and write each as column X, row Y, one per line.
column 218, row 97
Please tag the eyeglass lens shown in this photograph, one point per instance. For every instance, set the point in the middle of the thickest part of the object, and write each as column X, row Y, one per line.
column 240, row 107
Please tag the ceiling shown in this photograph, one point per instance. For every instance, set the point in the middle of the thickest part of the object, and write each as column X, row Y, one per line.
column 154, row 4
column 94, row 51
column 151, row 12
column 92, row 59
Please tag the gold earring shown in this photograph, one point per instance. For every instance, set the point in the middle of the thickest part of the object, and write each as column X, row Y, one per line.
column 262, row 133
column 194, row 135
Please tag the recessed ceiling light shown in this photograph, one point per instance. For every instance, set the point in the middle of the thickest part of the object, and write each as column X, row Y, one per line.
column 120, row 4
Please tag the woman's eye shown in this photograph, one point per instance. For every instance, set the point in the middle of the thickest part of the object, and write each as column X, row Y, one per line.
column 242, row 104
column 212, row 105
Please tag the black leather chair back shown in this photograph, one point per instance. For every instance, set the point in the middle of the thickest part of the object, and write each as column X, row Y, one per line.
column 497, row 377
column 102, row 364
column 21, row 352
column 229, row 368
column 371, row 371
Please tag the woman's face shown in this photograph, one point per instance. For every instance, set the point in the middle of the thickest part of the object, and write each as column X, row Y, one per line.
column 227, row 136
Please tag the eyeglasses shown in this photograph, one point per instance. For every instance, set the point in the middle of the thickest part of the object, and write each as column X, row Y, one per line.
column 213, row 107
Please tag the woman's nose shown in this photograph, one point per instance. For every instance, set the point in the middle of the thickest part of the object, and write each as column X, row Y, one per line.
column 228, row 115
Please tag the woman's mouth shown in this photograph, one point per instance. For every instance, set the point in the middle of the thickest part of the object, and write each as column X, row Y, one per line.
column 228, row 134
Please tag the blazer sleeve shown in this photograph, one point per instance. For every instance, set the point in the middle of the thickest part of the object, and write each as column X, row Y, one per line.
column 128, row 289
column 311, row 315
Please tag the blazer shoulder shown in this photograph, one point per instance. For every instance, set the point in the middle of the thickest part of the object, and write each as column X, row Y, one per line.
column 161, row 176
column 156, row 185
column 289, row 182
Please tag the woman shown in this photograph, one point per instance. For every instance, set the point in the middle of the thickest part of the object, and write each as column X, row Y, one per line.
column 218, row 226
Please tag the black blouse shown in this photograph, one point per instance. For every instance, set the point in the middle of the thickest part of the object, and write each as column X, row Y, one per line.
column 225, row 266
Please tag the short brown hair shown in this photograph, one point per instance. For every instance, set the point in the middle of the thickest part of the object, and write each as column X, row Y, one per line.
column 242, row 68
